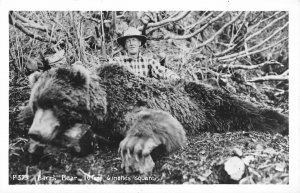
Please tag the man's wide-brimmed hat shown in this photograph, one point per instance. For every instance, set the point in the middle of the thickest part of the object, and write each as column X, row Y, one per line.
column 131, row 33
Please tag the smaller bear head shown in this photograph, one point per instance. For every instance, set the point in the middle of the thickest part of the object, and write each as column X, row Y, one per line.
column 59, row 99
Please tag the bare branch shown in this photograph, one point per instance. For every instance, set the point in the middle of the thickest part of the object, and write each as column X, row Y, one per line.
column 285, row 73
column 113, row 21
column 247, row 51
column 176, row 37
column 269, row 78
column 244, row 67
column 220, row 31
column 23, row 19
column 155, row 28
column 90, row 18
column 261, row 21
column 37, row 26
column 243, row 54
column 103, row 38
column 159, row 26
column 254, row 34
column 121, row 48
column 207, row 70
column 256, row 46
column 168, row 20
column 121, row 16
column 175, row 14
column 232, row 46
column 30, row 24
column 61, row 25
column 19, row 26
column 200, row 21
column 114, row 17
column 233, row 38
column 264, row 28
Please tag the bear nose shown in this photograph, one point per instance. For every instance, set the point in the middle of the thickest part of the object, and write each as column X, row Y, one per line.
column 34, row 136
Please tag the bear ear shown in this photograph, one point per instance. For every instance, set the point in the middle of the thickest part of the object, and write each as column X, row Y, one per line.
column 81, row 75
column 33, row 78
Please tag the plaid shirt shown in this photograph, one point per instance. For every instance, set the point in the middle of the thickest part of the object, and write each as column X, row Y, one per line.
column 146, row 67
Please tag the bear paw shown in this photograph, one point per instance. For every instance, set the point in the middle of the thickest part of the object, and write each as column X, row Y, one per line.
column 135, row 154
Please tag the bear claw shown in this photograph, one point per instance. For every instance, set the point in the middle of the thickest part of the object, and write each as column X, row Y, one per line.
column 135, row 154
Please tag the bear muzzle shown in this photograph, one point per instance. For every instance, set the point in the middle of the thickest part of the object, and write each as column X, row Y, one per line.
column 44, row 127
column 79, row 140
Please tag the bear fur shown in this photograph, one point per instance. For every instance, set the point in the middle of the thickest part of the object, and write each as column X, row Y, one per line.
column 149, row 129
column 121, row 106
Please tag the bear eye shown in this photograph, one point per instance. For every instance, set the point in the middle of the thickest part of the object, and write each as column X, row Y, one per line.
column 46, row 104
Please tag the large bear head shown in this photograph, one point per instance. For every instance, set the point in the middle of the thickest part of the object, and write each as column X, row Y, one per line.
column 61, row 98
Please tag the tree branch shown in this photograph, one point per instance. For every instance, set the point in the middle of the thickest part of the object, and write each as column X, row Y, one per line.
column 269, row 78
column 19, row 17
column 254, row 52
column 232, row 46
column 254, row 34
column 30, row 24
column 233, row 37
column 164, row 22
column 285, row 73
column 264, row 28
column 269, row 37
column 103, row 45
column 90, row 18
column 200, row 21
column 220, row 31
column 177, row 37
column 238, row 55
column 243, row 67
column 261, row 21
column 175, row 14
column 177, row 18
column 19, row 26
column 155, row 28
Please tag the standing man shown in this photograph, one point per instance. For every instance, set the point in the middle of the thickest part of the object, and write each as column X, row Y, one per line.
column 132, row 40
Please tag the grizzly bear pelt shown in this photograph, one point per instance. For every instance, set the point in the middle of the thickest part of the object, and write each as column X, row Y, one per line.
column 139, row 113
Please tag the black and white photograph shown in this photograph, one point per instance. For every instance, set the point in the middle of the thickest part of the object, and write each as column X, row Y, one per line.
column 107, row 97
